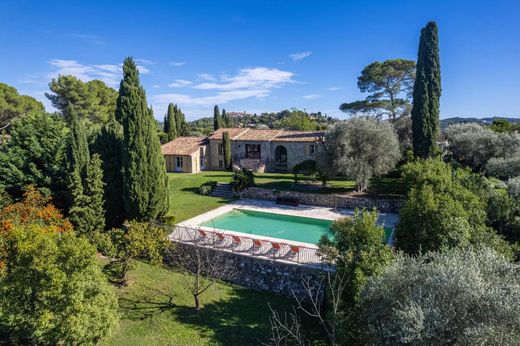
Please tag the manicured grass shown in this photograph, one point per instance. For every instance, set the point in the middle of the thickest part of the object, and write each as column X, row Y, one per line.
column 157, row 309
column 185, row 202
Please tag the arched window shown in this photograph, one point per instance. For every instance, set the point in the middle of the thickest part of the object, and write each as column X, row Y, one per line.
column 280, row 159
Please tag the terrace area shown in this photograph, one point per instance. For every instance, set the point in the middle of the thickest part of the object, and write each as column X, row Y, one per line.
column 281, row 245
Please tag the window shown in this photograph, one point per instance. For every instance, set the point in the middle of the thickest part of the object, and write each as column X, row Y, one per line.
column 220, row 164
column 313, row 148
column 221, row 149
column 253, row 151
column 179, row 162
column 201, row 157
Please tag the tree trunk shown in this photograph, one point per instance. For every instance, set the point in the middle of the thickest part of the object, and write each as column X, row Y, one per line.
column 197, row 302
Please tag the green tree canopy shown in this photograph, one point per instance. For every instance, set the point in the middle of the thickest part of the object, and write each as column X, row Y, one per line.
column 145, row 188
column 390, row 84
column 92, row 100
column 459, row 297
column 35, row 155
column 52, row 290
column 297, row 120
column 359, row 251
column 441, row 213
column 426, row 94
column 14, row 105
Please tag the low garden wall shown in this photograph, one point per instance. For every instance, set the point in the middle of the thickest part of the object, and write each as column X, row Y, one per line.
column 326, row 200
column 266, row 274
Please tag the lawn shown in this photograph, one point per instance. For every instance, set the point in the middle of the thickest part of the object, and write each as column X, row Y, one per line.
column 185, row 202
column 156, row 309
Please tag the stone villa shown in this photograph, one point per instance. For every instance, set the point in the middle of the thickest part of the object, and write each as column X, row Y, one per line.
column 259, row 150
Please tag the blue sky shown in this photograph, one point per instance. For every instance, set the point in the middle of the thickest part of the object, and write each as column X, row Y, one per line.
column 263, row 55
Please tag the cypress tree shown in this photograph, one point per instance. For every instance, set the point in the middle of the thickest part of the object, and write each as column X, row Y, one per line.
column 426, row 94
column 227, row 150
column 180, row 123
column 225, row 119
column 145, row 188
column 87, row 213
column 78, row 153
column 170, row 123
column 216, row 118
column 78, row 157
column 109, row 145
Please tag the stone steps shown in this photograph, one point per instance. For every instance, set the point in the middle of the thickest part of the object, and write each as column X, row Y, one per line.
column 222, row 190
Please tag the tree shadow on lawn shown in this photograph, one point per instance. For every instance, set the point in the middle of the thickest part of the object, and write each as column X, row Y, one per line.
column 147, row 306
column 242, row 318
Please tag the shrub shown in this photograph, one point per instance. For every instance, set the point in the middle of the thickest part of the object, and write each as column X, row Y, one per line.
column 207, row 187
column 306, row 168
column 242, row 179
column 460, row 297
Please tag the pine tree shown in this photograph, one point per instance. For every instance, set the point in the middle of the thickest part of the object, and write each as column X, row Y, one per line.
column 145, row 189
column 109, row 145
column 170, row 126
column 216, row 118
column 227, row 150
column 226, row 122
column 426, row 94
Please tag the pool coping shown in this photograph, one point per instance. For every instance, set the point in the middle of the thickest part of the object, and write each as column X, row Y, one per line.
column 308, row 211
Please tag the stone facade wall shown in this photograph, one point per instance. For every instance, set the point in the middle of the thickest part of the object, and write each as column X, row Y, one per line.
column 213, row 155
column 327, row 200
column 267, row 275
column 296, row 153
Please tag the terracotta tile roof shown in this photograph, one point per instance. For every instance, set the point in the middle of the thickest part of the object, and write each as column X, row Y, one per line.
column 259, row 135
column 298, row 136
column 233, row 133
column 183, row 145
column 277, row 135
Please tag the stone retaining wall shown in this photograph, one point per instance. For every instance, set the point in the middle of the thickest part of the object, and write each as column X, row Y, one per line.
column 267, row 275
column 326, row 200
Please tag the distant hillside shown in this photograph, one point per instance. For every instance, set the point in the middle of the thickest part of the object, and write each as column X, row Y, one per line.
column 483, row 121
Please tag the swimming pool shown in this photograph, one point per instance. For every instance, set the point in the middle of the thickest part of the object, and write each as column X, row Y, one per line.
column 296, row 228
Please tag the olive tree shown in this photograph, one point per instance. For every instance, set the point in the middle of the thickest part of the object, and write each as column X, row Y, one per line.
column 458, row 297
column 513, row 187
column 504, row 167
column 361, row 147
column 474, row 145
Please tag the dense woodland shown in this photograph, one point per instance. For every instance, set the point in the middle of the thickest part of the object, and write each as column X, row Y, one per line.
column 89, row 180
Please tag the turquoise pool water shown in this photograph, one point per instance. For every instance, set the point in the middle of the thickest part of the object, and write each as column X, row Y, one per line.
column 302, row 229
